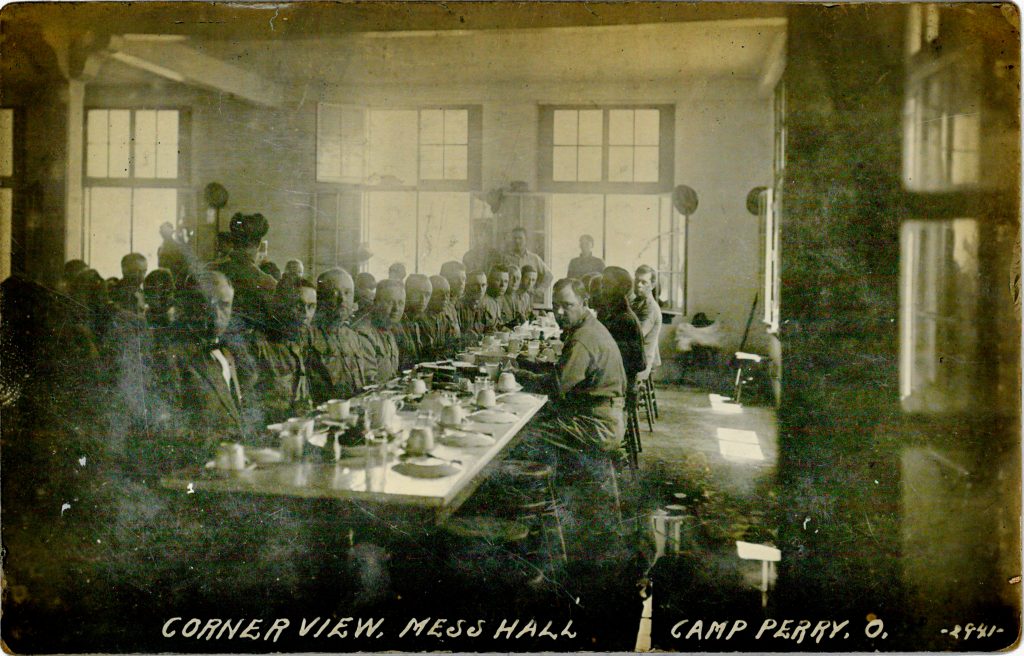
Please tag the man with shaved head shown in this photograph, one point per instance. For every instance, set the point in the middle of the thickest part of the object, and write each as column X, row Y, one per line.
column 366, row 288
column 474, row 319
column 442, row 331
column 497, row 285
column 378, row 351
column 334, row 368
column 454, row 274
column 410, row 334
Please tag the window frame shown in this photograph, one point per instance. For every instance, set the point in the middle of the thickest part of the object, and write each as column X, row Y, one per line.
column 666, row 152
column 474, row 154
column 184, row 151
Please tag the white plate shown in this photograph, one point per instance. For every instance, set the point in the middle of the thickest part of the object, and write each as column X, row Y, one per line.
column 493, row 417
column 516, row 387
column 464, row 439
column 517, row 399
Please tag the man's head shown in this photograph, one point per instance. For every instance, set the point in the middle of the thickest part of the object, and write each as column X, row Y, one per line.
column 439, row 291
column 167, row 230
column 294, row 304
column 205, row 304
column 133, row 269
column 529, row 278
column 568, row 300
column 397, row 272
column 89, row 289
column 497, row 281
column 388, row 304
column 518, row 240
column 271, row 269
column 366, row 289
column 455, row 273
column 646, row 279
column 158, row 289
column 295, row 268
column 417, row 294
column 592, row 283
column 513, row 280
column 335, row 295
column 476, row 286
column 247, row 231
column 586, row 245
column 616, row 286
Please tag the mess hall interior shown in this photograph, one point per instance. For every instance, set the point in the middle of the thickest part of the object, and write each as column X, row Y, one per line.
column 510, row 326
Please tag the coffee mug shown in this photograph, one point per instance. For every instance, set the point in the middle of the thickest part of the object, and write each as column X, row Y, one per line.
column 453, row 415
column 416, row 387
column 485, row 398
column 466, row 385
column 339, row 408
column 421, row 441
column 383, row 411
column 507, row 382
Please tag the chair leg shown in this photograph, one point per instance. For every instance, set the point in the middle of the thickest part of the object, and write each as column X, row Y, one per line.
column 654, row 397
column 648, row 403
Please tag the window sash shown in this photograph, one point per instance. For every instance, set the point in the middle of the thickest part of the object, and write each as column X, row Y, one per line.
column 181, row 154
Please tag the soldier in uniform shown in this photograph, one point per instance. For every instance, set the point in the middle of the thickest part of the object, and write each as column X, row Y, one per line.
column 252, row 286
column 475, row 318
column 410, row 334
column 378, row 351
column 334, row 368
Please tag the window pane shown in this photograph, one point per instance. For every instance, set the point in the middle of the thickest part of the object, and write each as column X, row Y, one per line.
column 631, row 230
column 431, row 126
column 443, row 229
column 589, row 164
column 456, row 126
column 328, row 142
column 591, row 127
column 565, row 133
column 620, row 163
column 118, row 129
column 96, row 151
column 392, row 230
column 620, row 127
column 150, row 208
column 167, row 144
column 573, row 215
column 145, row 144
column 563, row 164
column 6, row 142
column 645, row 164
column 648, row 127
column 353, row 125
column 352, row 161
column 432, row 162
column 455, row 162
column 393, row 135
column 110, row 216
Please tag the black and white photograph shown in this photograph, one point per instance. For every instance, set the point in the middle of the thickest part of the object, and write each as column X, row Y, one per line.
column 510, row 327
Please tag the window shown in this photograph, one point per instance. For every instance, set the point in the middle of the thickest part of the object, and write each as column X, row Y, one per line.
column 134, row 170
column 371, row 147
column 612, row 149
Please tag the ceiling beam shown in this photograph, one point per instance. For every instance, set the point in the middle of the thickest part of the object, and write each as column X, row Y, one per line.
column 181, row 63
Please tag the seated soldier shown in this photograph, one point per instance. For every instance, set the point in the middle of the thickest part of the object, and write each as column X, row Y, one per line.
column 378, row 352
column 509, row 303
column 442, row 332
column 588, row 383
column 649, row 313
column 126, row 293
column 497, row 285
column 333, row 367
column 409, row 334
column 455, row 274
column 612, row 305
column 474, row 320
column 280, row 351
column 524, row 295
column 206, row 388
column 366, row 289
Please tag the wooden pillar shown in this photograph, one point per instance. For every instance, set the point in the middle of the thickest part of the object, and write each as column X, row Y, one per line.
column 74, row 214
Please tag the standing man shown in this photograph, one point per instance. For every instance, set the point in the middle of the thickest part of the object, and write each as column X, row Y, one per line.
column 253, row 287
column 172, row 254
column 518, row 256
column 378, row 352
column 649, row 313
column 127, row 292
column 586, row 262
column 334, row 368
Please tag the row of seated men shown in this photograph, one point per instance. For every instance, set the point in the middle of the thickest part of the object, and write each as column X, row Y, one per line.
column 229, row 349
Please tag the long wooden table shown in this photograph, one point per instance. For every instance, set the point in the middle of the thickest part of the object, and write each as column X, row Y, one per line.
column 345, row 481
